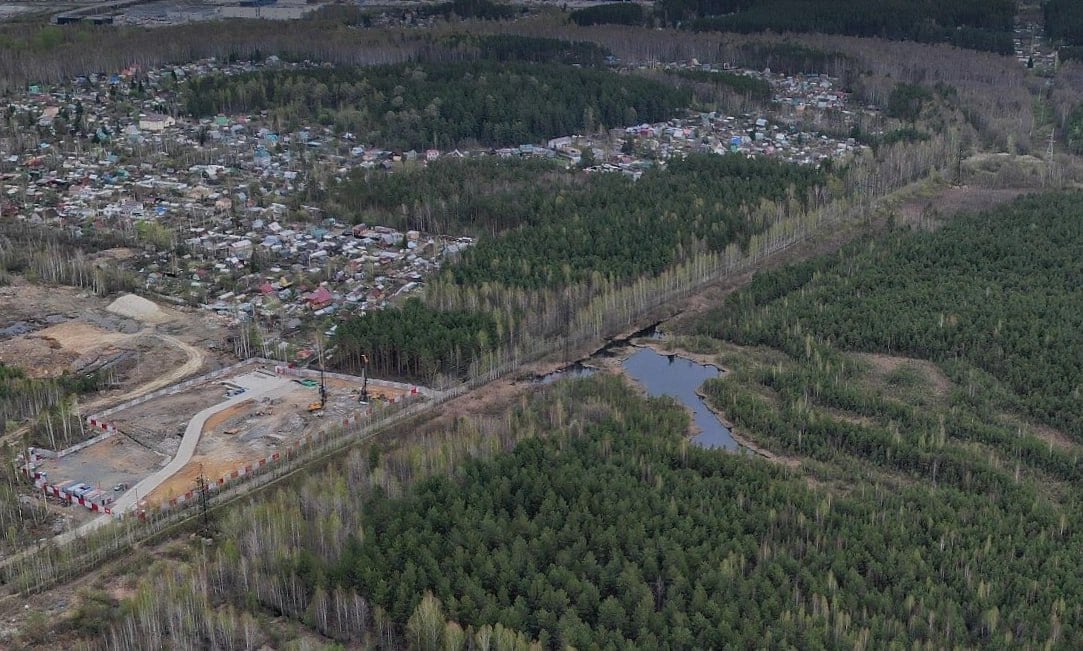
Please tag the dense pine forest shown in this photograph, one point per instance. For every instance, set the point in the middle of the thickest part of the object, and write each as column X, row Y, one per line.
column 443, row 105
column 1001, row 292
column 531, row 49
column 618, row 228
column 469, row 196
column 911, row 405
column 585, row 518
column 968, row 23
column 753, row 87
column 1064, row 21
column 481, row 9
column 416, row 341
column 618, row 13
column 546, row 230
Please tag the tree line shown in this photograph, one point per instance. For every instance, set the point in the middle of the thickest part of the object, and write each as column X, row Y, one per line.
column 752, row 87
column 470, row 196
column 1064, row 21
column 529, row 49
column 480, row 9
column 617, row 13
column 614, row 227
column 415, row 340
column 46, row 405
column 969, row 23
column 545, row 231
column 536, row 290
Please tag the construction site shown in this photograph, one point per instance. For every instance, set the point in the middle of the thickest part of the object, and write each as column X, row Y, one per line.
column 153, row 449
column 174, row 412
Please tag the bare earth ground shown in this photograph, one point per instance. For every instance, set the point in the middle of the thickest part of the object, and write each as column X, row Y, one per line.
column 1050, row 435
column 104, row 465
column 169, row 415
column 253, row 430
column 50, row 330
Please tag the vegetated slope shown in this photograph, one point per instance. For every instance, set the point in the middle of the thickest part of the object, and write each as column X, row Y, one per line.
column 443, row 105
column 1002, row 291
column 604, row 528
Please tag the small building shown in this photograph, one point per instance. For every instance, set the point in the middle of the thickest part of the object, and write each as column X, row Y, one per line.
column 156, row 122
column 319, row 299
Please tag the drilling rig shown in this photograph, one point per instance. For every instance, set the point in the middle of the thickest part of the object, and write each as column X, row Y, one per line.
column 318, row 406
column 363, row 398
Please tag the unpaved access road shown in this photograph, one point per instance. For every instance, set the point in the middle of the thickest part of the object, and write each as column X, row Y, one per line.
column 193, row 362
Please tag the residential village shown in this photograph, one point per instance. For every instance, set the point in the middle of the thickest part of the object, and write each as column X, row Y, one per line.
column 220, row 198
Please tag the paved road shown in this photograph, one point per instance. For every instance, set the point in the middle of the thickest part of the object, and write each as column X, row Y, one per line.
column 256, row 386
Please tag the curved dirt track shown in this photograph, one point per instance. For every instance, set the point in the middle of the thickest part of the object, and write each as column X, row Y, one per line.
column 194, row 362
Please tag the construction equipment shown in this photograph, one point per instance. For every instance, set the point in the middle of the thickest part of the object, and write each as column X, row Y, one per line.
column 364, row 397
column 318, row 406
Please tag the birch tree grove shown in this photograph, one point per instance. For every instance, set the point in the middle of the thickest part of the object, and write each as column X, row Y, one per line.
column 56, row 257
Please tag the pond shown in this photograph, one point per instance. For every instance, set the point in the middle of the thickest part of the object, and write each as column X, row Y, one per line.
column 575, row 370
column 672, row 375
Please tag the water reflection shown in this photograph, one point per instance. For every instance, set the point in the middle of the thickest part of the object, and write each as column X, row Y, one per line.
column 673, row 375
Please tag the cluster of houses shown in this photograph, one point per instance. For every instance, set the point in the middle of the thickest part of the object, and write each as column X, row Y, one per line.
column 784, row 128
column 285, row 274
column 228, row 231
column 219, row 199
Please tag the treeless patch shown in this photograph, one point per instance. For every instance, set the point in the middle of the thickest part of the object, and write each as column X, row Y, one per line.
column 885, row 364
column 931, row 212
column 225, row 415
column 1050, row 435
column 79, row 337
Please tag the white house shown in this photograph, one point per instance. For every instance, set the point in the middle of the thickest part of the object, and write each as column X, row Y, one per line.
column 155, row 122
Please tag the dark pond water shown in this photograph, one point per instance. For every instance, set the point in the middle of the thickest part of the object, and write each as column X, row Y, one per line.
column 573, row 371
column 671, row 375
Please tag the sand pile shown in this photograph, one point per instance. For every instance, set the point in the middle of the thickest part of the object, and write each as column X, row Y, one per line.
column 138, row 308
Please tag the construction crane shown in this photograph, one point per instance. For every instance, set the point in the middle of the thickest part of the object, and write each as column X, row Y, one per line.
column 318, row 406
column 364, row 397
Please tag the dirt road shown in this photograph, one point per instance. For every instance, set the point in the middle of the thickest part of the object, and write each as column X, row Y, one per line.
column 194, row 361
